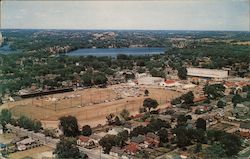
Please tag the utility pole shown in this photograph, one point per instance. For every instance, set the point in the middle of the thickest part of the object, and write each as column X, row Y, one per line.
column 81, row 99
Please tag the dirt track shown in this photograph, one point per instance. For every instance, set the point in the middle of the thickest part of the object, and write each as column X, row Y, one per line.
column 91, row 114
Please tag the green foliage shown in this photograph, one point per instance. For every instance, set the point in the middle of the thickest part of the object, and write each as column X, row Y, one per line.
column 99, row 78
column 181, row 120
column 5, row 116
column 156, row 124
column 221, row 104
column 28, row 123
column 150, row 103
column 69, row 126
column 138, row 130
column 67, row 148
column 182, row 73
column 157, row 73
column 176, row 101
column 188, row 98
column 201, row 124
column 86, row 130
column 230, row 143
column 214, row 91
column 125, row 114
column 163, row 134
column 122, row 137
column 141, row 70
column 237, row 99
column 107, row 142
column 215, row 151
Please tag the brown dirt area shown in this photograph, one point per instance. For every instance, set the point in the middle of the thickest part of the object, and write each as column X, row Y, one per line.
column 93, row 114
column 34, row 153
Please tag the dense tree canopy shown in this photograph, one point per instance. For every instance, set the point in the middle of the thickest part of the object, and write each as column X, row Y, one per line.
column 67, row 148
column 150, row 103
column 201, row 124
column 69, row 125
column 182, row 73
column 214, row 91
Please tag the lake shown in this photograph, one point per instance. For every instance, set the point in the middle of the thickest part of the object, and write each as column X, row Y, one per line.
column 5, row 49
column 113, row 52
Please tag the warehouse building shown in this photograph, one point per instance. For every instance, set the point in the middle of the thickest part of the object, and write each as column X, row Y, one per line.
column 207, row 73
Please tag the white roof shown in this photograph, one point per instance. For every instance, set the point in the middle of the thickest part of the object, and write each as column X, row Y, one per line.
column 26, row 141
column 203, row 72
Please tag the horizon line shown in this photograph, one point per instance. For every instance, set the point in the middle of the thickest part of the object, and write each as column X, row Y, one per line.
column 130, row 29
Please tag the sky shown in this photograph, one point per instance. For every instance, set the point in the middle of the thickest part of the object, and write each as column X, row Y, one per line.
column 127, row 14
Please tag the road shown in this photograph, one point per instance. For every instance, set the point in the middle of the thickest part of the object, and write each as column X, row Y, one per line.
column 48, row 141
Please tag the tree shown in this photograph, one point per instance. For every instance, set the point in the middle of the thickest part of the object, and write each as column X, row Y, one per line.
column 188, row 98
column 87, row 79
column 214, row 91
column 198, row 147
column 69, row 125
column 67, row 148
column 125, row 114
column 215, row 151
column 107, row 142
column 86, row 130
column 231, row 144
column 110, row 118
column 138, row 130
column 163, row 134
column 237, row 99
column 150, row 103
column 146, row 92
column 117, row 121
column 221, row 104
column 5, row 116
column 182, row 138
column 156, row 125
column 181, row 120
column 37, row 125
column 99, row 78
column 122, row 137
column 201, row 124
column 182, row 73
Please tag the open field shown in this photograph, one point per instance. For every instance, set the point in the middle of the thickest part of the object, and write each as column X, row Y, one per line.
column 34, row 153
column 102, row 102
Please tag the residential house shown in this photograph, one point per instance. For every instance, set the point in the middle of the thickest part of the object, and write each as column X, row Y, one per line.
column 117, row 152
column 152, row 140
column 84, row 141
column 241, row 110
column 245, row 129
column 95, row 138
column 1, row 129
column 138, row 139
column 23, row 144
column 132, row 148
column 166, row 118
column 115, row 130
column 2, row 146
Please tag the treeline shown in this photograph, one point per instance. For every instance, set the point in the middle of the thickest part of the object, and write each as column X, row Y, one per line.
column 23, row 121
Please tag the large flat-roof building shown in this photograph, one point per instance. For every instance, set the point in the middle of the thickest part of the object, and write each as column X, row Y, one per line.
column 208, row 73
column 1, row 39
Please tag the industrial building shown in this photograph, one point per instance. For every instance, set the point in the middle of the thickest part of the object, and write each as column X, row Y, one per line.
column 207, row 73
column 1, row 39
